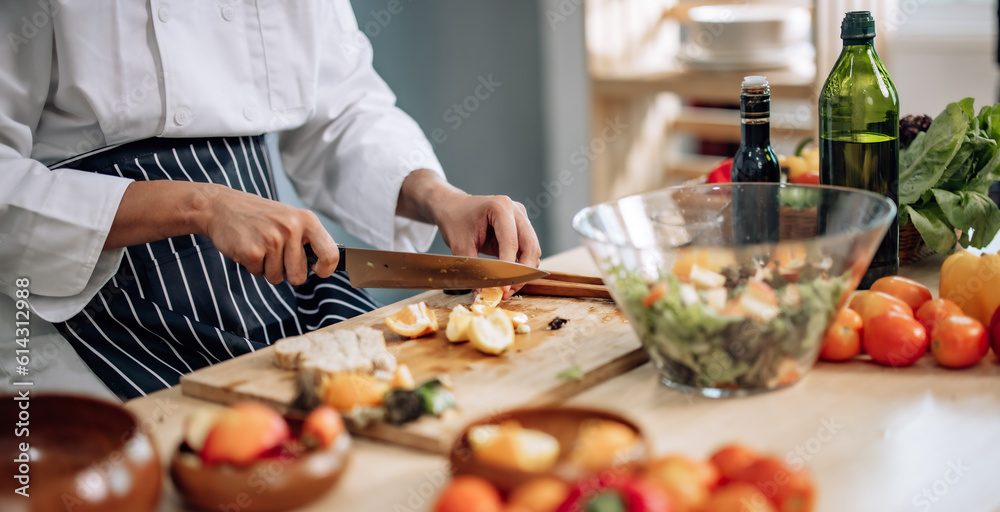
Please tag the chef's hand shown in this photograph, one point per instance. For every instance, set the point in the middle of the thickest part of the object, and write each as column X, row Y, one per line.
column 265, row 236
column 470, row 225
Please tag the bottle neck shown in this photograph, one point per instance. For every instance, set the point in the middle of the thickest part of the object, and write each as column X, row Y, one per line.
column 859, row 43
column 755, row 120
column 756, row 132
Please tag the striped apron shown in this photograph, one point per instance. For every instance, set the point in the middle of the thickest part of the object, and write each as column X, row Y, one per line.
column 178, row 304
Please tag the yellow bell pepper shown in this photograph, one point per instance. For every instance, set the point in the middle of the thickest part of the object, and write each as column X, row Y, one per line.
column 972, row 282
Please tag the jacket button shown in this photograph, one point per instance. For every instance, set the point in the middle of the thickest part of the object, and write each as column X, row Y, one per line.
column 164, row 13
column 182, row 116
column 228, row 13
column 250, row 113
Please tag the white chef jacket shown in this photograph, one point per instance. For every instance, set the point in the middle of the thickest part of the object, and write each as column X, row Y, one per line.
column 75, row 76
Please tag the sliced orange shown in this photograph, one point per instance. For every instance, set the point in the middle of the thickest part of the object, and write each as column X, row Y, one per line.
column 489, row 296
column 413, row 321
column 344, row 391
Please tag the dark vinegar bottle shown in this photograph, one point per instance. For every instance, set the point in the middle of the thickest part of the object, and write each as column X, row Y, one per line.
column 755, row 209
column 859, row 130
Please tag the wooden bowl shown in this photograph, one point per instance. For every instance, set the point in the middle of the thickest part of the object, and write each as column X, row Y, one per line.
column 84, row 455
column 270, row 484
column 563, row 423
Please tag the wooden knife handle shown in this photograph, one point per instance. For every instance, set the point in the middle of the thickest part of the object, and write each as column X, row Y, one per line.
column 554, row 288
column 574, row 278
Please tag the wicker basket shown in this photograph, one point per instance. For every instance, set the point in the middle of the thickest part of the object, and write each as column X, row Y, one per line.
column 798, row 224
column 911, row 245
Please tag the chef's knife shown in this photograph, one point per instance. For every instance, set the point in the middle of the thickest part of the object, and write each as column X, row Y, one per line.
column 368, row 268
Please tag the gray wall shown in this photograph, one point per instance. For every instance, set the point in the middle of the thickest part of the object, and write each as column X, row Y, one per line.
column 433, row 55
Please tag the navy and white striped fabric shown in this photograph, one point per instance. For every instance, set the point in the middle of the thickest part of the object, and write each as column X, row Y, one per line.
column 178, row 304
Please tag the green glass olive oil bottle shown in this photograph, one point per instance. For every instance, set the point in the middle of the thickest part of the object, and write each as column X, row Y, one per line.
column 859, row 130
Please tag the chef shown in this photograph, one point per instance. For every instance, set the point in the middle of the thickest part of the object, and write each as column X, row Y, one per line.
column 138, row 199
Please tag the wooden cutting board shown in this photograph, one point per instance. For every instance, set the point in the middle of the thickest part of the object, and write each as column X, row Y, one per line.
column 597, row 339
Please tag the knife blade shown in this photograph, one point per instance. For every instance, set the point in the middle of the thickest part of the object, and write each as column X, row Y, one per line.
column 369, row 268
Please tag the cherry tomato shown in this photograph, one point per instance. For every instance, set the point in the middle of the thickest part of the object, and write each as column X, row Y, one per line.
column 321, row 427
column 842, row 340
column 739, row 497
column 959, row 341
column 871, row 303
column 907, row 290
column 789, row 490
column 894, row 339
column 468, row 493
column 731, row 459
column 936, row 310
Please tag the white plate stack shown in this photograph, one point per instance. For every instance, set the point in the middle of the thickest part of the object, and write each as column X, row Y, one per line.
column 746, row 36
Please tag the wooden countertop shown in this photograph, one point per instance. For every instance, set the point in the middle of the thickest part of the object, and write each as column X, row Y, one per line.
column 875, row 438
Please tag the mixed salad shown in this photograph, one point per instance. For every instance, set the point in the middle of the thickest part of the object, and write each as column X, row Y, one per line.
column 734, row 326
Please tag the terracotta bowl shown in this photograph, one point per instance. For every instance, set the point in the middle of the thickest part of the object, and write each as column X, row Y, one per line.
column 563, row 423
column 270, row 484
column 85, row 455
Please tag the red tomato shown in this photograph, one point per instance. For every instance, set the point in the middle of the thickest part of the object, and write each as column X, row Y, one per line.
column 468, row 493
column 894, row 339
column 934, row 311
column 731, row 459
column 870, row 303
column 907, row 290
column 842, row 340
column 739, row 497
column 722, row 173
column 788, row 490
column 809, row 178
column 959, row 341
column 321, row 427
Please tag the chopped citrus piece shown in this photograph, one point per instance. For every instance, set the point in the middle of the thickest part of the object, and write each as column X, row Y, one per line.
column 482, row 309
column 413, row 321
column 489, row 296
column 511, row 446
column 458, row 324
column 491, row 334
column 344, row 391
column 402, row 378
column 517, row 318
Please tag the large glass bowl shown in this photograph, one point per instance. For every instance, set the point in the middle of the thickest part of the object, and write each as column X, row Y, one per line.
column 730, row 287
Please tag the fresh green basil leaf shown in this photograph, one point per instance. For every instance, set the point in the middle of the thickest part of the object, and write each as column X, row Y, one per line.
column 933, row 227
column 927, row 157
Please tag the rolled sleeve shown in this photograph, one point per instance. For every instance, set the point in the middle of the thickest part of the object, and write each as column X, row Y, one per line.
column 52, row 231
column 350, row 158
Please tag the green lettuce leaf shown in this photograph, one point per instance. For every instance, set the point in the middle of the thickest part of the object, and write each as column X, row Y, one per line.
column 969, row 157
column 989, row 121
column 922, row 164
column 932, row 224
column 970, row 211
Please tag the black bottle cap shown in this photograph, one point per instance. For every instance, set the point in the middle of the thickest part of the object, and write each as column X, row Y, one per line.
column 858, row 25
